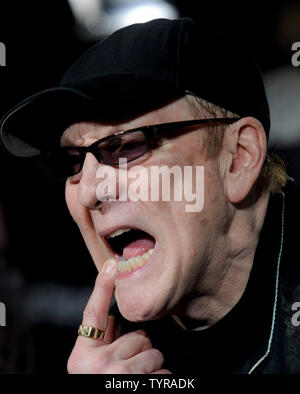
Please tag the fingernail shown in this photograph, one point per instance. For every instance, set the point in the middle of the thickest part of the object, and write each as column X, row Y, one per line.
column 109, row 266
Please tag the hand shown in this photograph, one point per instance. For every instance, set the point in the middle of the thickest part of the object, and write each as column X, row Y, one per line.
column 131, row 353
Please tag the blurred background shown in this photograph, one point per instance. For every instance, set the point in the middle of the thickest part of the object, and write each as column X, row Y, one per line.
column 46, row 274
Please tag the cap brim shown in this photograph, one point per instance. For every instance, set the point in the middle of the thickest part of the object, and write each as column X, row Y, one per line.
column 41, row 119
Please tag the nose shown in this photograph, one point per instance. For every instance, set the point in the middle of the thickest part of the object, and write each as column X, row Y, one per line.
column 96, row 182
column 87, row 190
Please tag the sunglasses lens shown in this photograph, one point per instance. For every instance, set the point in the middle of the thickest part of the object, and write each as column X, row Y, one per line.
column 64, row 162
column 127, row 146
column 68, row 161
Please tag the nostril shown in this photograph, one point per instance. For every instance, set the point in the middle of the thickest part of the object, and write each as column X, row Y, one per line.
column 98, row 204
column 107, row 198
column 104, row 198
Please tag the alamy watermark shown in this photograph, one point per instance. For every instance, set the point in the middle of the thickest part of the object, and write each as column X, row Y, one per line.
column 2, row 54
column 2, row 314
column 154, row 183
column 296, row 316
column 296, row 56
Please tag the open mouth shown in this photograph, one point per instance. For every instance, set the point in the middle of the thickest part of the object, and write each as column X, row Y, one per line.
column 132, row 246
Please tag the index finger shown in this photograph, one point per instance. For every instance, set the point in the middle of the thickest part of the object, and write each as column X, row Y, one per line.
column 97, row 308
column 93, row 241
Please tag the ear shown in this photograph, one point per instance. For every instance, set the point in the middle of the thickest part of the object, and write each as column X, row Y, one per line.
column 243, row 154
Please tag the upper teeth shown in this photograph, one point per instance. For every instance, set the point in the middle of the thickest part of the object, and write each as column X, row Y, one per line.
column 118, row 232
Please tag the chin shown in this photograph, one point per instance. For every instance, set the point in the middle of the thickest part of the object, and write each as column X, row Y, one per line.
column 139, row 309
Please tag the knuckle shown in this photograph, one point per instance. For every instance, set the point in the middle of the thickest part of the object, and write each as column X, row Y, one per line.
column 156, row 355
column 92, row 313
column 142, row 334
column 89, row 313
column 145, row 342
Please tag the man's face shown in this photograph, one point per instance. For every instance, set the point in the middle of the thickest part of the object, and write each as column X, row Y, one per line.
column 182, row 242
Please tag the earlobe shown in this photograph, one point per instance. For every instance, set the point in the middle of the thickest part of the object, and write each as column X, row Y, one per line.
column 245, row 145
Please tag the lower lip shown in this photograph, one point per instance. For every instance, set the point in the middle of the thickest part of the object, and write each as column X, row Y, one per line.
column 124, row 275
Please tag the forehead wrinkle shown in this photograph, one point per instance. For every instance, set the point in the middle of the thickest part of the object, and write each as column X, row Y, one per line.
column 77, row 133
column 71, row 135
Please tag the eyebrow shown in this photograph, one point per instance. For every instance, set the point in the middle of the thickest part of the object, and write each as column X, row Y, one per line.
column 68, row 141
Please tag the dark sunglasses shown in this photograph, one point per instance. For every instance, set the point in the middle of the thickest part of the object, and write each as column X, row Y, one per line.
column 128, row 144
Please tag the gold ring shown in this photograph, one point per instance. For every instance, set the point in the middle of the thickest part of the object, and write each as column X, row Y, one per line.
column 90, row 332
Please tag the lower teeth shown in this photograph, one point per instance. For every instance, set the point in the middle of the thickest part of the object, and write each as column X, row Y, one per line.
column 134, row 262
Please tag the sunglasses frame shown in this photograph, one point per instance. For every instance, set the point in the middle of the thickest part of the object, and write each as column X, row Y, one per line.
column 151, row 133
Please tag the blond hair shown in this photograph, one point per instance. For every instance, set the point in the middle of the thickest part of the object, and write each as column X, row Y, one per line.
column 273, row 176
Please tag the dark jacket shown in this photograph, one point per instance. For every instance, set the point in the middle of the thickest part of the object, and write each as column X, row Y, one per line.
column 261, row 334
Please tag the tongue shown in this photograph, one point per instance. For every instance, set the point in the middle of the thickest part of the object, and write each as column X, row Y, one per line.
column 137, row 248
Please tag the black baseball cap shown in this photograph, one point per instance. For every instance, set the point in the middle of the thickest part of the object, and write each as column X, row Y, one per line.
column 135, row 70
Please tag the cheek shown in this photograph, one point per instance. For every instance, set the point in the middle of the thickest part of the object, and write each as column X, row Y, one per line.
column 213, row 192
column 198, row 228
